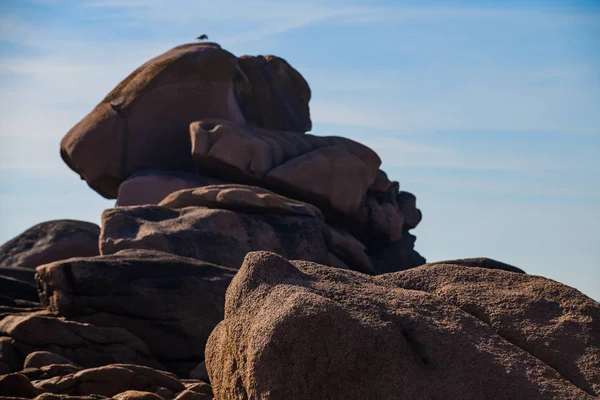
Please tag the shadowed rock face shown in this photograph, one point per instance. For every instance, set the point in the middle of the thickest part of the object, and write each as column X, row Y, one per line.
column 274, row 96
column 300, row 330
column 50, row 241
column 144, row 122
column 172, row 303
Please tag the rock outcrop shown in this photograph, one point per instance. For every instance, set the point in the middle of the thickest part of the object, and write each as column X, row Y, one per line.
column 172, row 303
column 304, row 331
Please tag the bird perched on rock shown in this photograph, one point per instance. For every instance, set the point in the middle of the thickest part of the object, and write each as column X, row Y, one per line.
column 202, row 37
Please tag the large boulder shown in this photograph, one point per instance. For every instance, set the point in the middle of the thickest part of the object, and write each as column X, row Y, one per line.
column 222, row 223
column 340, row 176
column 272, row 94
column 172, row 303
column 298, row 330
column 553, row 322
column 151, row 187
column 50, row 241
column 83, row 344
column 239, row 198
column 143, row 123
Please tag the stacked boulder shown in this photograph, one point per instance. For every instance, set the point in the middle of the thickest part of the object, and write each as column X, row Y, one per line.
column 218, row 185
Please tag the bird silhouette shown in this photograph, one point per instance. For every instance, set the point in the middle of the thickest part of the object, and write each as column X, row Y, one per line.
column 202, row 37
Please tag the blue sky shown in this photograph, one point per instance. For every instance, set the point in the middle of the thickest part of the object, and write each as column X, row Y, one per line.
column 490, row 115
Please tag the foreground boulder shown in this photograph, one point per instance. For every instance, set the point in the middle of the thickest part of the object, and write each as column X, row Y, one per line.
column 303, row 331
column 50, row 241
column 172, row 303
column 143, row 123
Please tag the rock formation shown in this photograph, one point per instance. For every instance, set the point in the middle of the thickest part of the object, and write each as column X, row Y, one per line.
column 299, row 330
column 218, row 185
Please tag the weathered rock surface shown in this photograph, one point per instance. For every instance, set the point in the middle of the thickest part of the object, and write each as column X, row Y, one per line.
column 151, row 187
column 338, row 175
column 144, row 122
column 49, row 241
column 84, row 344
column 553, row 322
column 304, row 331
column 272, row 94
column 222, row 223
column 217, row 236
column 172, row 303
column 330, row 172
